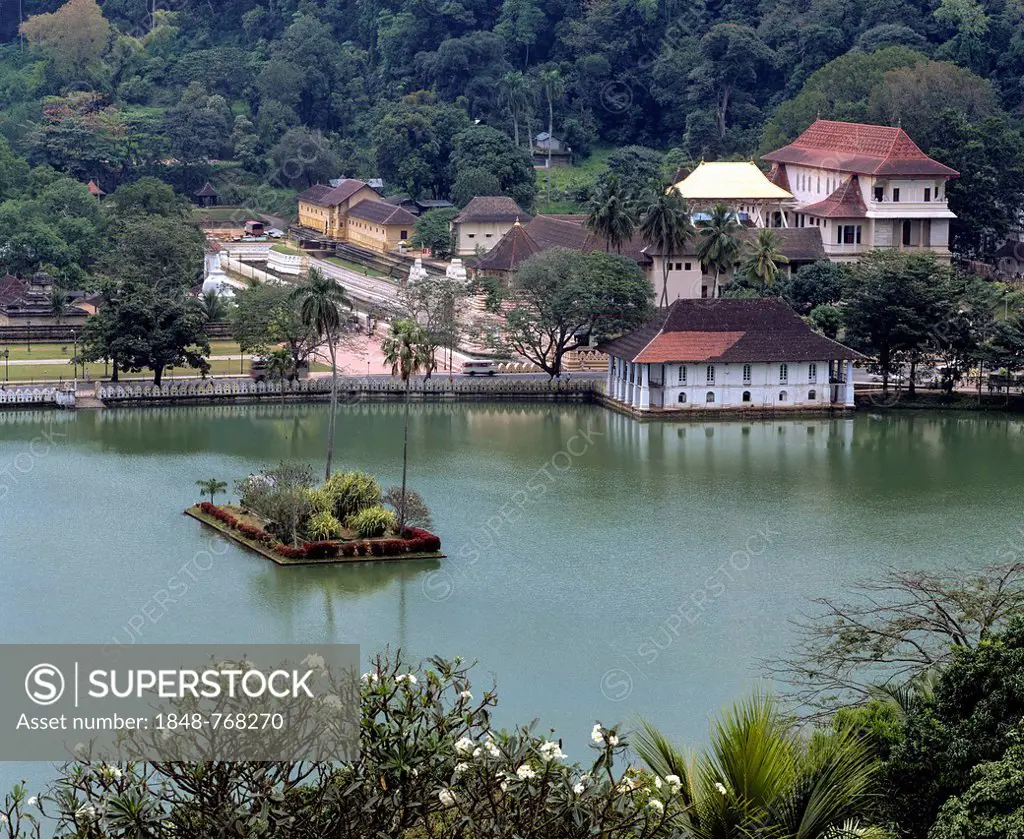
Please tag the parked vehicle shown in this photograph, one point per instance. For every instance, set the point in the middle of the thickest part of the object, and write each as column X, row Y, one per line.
column 478, row 368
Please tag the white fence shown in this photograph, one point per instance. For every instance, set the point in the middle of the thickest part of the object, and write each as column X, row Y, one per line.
column 37, row 396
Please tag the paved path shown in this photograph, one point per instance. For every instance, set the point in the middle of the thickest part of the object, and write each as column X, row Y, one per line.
column 30, row 361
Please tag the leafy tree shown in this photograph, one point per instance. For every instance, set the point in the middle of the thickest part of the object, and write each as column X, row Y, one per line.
column 73, row 37
column 827, row 319
column 433, row 230
column 758, row 776
column 215, row 308
column 990, row 808
column 280, row 367
column 303, row 157
column 516, row 94
column 265, row 314
column 821, row 283
column 435, row 303
column 718, row 243
column 472, row 182
column 413, row 510
column 199, row 125
column 407, row 350
column 665, row 225
column 560, row 300
column 212, row 487
column 494, row 152
column 146, row 197
column 611, row 213
column 320, row 300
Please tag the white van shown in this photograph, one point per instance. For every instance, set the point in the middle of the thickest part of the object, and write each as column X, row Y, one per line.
column 478, row 368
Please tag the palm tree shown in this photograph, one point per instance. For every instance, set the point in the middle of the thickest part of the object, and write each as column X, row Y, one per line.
column 280, row 366
column 213, row 306
column 211, row 487
column 610, row 212
column 515, row 92
column 760, row 777
column 320, row 300
column 665, row 224
column 718, row 245
column 406, row 348
column 554, row 88
column 762, row 265
column 60, row 303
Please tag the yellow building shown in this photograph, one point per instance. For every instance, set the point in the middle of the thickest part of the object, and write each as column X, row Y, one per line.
column 325, row 208
column 379, row 226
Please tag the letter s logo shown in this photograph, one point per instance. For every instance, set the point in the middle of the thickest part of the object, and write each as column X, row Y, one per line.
column 44, row 684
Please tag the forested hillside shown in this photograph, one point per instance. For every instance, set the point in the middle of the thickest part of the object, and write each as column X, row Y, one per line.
column 288, row 92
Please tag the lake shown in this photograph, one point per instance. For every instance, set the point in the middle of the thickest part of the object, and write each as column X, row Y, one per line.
column 599, row 568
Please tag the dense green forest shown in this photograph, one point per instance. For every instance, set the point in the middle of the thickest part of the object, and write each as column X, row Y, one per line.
column 284, row 93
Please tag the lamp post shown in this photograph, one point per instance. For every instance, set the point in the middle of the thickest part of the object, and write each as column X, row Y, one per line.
column 7, row 364
column 74, row 358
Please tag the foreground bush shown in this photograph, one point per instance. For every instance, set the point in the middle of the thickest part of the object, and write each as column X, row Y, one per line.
column 352, row 492
column 431, row 765
column 372, row 522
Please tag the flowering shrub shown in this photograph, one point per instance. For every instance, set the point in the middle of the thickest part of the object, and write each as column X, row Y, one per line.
column 430, row 765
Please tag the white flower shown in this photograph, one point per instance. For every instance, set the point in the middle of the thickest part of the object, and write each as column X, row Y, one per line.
column 3, row 819
column 674, row 783
column 656, row 805
column 314, row 662
column 613, row 740
column 407, row 677
column 503, row 776
column 464, row 746
column 597, row 735
column 579, row 787
column 488, row 748
column 370, row 678
column 721, row 788
column 461, row 767
column 333, row 701
column 466, row 695
column 525, row 773
column 628, row 784
column 86, row 813
column 112, row 772
column 658, row 783
column 550, row 751
column 446, row 797
column 33, row 801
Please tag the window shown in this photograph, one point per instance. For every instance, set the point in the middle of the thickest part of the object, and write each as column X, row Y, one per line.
column 847, row 234
column 783, row 373
column 709, row 398
column 403, row 234
column 783, row 396
column 682, row 375
column 927, row 193
column 895, row 193
column 489, row 235
column 811, row 395
column 746, row 396
column 711, row 374
column 819, row 184
column 812, row 372
column 471, row 235
column 682, row 397
column 746, row 374
column 687, row 266
column 879, row 193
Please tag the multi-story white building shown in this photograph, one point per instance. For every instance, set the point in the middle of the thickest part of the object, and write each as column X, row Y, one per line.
column 728, row 354
column 864, row 187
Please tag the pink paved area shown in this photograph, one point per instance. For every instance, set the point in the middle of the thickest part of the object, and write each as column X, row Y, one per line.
column 360, row 349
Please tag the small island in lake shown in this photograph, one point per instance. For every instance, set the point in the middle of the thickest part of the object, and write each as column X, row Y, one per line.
column 284, row 516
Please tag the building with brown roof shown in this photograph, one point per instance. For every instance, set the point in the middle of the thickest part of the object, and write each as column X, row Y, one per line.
column 864, row 187
column 324, row 208
column 728, row 354
column 379, row 226
column 27, row 302
column 483, row 221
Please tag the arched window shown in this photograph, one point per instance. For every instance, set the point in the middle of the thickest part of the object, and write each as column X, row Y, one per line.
column 746, row 396
column 682, row 397
column 812, row 395
column 710, row 397
column 783, row 396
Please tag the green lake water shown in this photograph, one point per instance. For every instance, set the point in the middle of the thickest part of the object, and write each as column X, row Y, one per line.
column 599, row 568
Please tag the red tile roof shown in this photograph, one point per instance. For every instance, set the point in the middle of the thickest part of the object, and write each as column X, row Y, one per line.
column 860, row 148
column 687, row 346
column 845, row 202
column 779, row 177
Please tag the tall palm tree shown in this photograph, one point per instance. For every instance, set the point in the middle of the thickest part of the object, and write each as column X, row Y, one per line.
column 59, row 302
column 515, row 91
column 553, row 82
column 665, row 224
column 213, row 306
column 760, row 777
column 718, row 245
column 764, row 259
column 407, row 349
column 611, row 213
column 320, row 300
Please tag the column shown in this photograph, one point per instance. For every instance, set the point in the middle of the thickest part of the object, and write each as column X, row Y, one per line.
column 619, row 368
column 849, row 384
column 611, row 377
column 635, row 401
column 645, row 387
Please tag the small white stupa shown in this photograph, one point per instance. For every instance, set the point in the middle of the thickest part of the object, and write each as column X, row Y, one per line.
column 417, row 272
column 456, row 271
column 214, row 278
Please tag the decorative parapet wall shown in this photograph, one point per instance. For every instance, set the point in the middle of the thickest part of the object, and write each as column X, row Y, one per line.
column 34, row 396
column 291, row 265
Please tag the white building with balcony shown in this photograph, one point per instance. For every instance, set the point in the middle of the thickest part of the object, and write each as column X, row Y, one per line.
column 726, row 354
column 864, row 187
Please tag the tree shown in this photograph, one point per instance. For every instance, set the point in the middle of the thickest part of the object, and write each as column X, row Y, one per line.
column 472, row 182
column 435, row 303
column 199, row 125
column 264, row 315
column 893, row 306
column 516, row 94
column 60, row 303
column 146, row 197
column 406, row 349
column 320, row 300
column 74, row 37
column 433, row 230
column 896, row 628
column 763, row 260
column 560, row 300
column 665, row 225
column 990, row 808
column 718, row 243
column 611, row 213
column 821, row 283
column 413, row 510
column 211, row 487
column 759, row 777
column 215, row 308
column 280, row 367
column 493, row 151
column 304, row 157
column 828, row 320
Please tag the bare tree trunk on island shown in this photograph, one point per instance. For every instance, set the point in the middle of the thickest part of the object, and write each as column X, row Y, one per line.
column 405, row 458
column 334, row 406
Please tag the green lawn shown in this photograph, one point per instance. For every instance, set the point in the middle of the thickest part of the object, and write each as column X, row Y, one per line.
column 287, row 250
column 21, row 352
column 567, row 181
column 28, row 373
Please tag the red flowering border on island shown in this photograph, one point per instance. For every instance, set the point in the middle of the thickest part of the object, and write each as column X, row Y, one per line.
column 415, row 540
